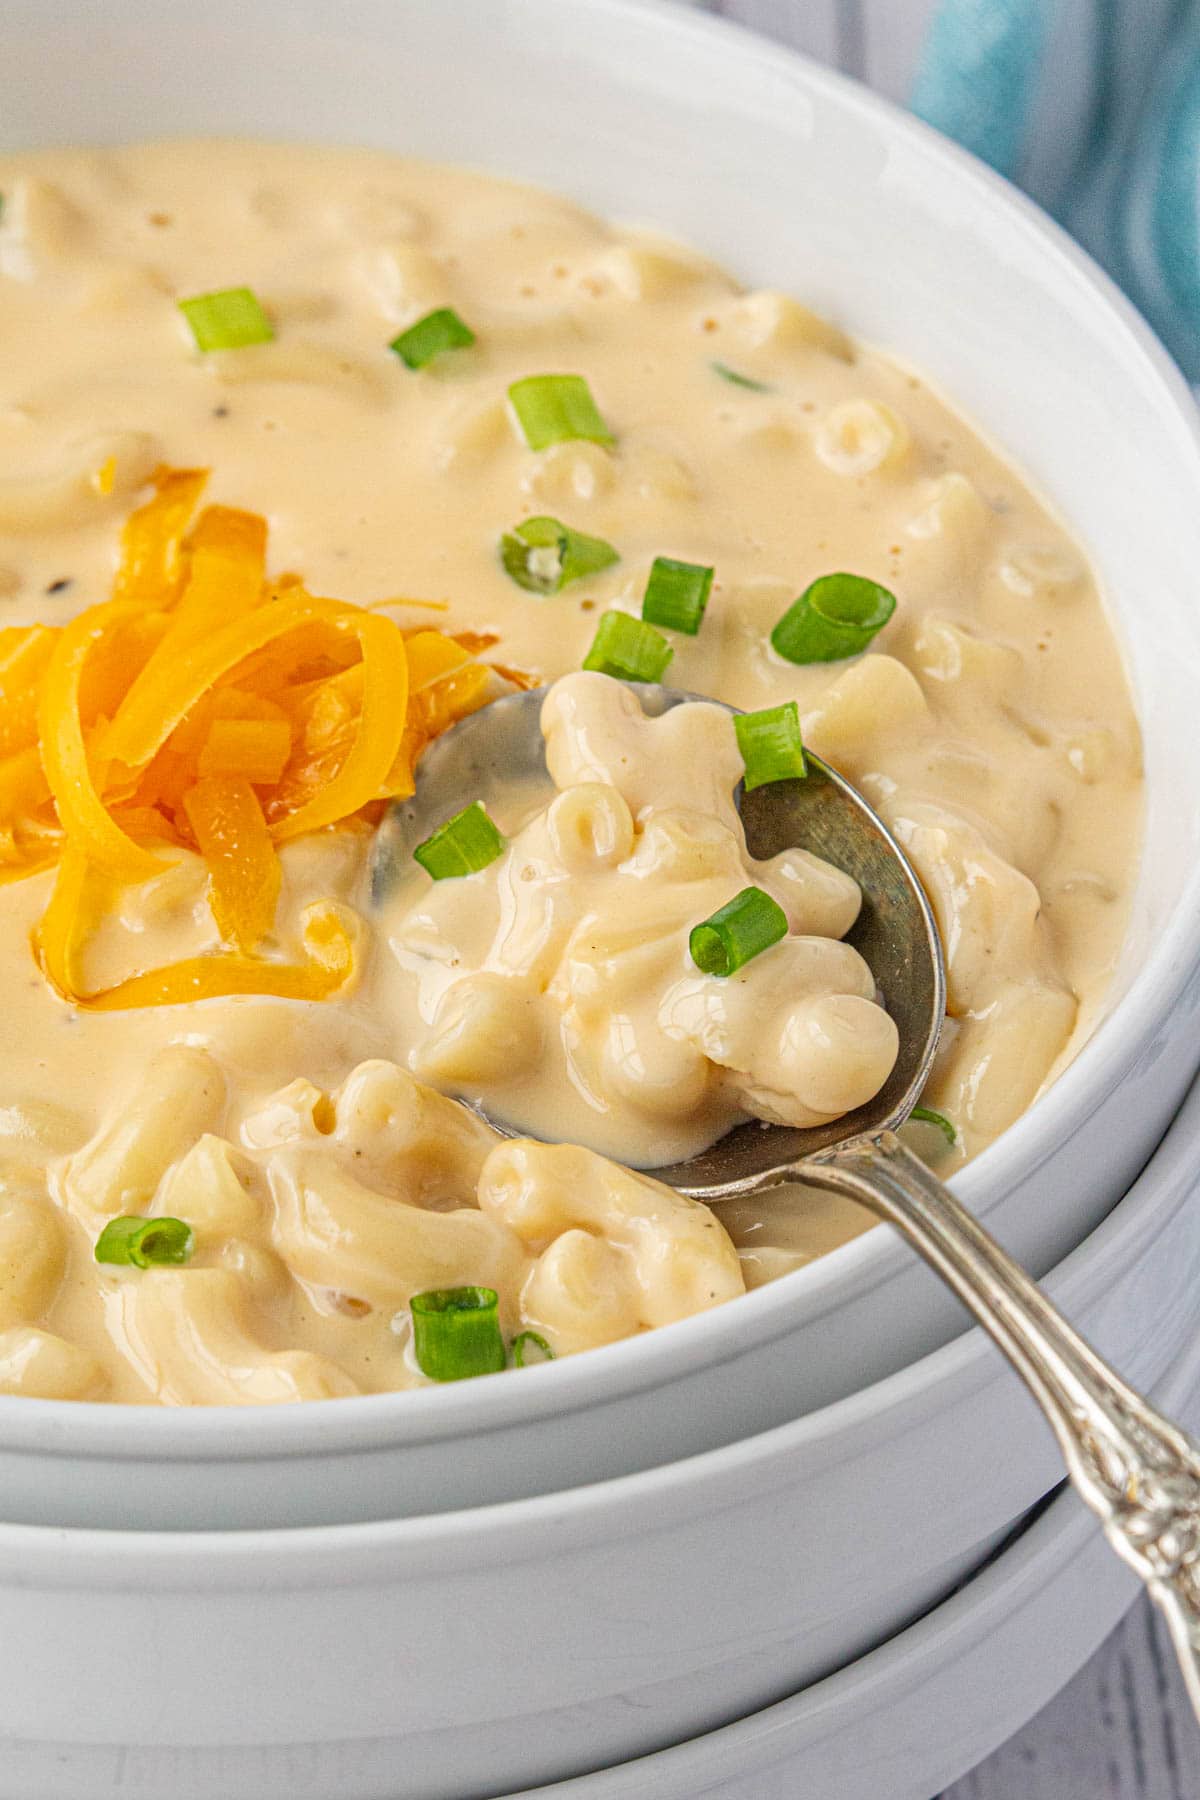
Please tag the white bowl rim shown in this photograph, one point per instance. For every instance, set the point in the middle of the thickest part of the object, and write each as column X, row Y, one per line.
column 709, row 1481
column 90, row 1428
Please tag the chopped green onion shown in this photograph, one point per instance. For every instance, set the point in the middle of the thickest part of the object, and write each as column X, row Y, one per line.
column 837, row 616
column 677, row 594
column 736, row 377
column 146, row 1243
column 927, row 1116
column 227, row 321
column 437, row 331
column 456, row 1332
column 742, row 929
column 554, row 409
column 543, row 555
column 629, row 649
column 770, row 744
column 462, row 846
column 530, row 1337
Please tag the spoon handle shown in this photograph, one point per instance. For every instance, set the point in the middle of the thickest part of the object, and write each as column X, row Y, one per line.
column 1139, row 1473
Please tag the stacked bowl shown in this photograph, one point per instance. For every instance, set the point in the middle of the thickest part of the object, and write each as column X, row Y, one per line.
column 473, row 1590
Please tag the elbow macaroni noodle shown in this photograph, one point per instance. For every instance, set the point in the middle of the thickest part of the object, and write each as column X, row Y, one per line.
column 319, row 1225
column 315, row 1149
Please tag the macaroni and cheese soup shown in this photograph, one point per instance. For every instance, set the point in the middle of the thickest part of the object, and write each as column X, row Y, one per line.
column 304, row 455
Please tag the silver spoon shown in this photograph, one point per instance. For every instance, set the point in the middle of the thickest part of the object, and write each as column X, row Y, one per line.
column 1139, row 1473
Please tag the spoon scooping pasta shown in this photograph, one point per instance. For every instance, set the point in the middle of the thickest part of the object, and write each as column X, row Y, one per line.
column 1138, row 1472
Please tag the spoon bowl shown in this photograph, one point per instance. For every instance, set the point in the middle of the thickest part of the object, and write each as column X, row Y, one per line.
column 895, row 934
column 498, row 753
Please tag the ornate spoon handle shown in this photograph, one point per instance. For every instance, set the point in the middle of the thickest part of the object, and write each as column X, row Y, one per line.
column 1139, row 1473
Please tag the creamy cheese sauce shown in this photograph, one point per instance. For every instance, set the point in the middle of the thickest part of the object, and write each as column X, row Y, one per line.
column 990, row 723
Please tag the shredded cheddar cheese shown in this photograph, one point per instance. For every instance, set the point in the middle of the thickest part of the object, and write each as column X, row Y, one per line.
column 205, row 707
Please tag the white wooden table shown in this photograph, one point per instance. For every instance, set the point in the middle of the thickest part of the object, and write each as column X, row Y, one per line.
column 1122, row 1729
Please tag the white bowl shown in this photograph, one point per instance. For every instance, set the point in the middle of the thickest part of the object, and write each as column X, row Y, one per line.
column 473, row 1652
column 909, row 1718
column 795, row 177
column 905, row 1720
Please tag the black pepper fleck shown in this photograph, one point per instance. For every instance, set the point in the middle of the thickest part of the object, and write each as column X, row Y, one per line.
column 60, row 586
column 220, row 412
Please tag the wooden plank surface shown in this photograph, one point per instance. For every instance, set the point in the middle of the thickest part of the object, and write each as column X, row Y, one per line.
column 875, row 40
column 1122, row 1730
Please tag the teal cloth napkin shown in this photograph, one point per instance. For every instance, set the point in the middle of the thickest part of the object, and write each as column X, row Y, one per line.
column 1094, row 106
